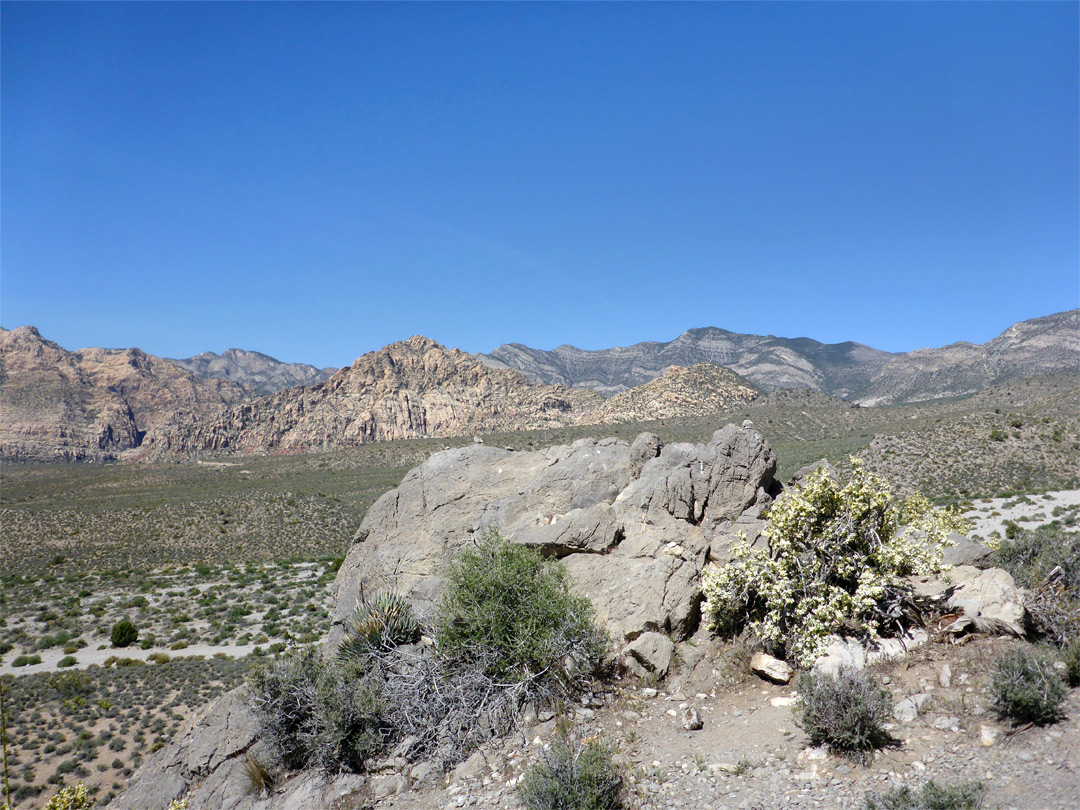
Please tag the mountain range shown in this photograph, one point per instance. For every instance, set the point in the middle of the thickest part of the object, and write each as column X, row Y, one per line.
column 102, row 404
column 851, row 371
column 254, row 370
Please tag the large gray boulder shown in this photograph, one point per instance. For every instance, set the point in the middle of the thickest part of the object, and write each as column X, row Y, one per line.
column 632, row 523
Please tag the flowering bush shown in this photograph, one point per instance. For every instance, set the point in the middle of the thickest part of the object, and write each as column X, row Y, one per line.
column 70, row 798
column 835, row 562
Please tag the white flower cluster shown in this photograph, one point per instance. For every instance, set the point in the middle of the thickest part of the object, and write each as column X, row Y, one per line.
column 834, row 555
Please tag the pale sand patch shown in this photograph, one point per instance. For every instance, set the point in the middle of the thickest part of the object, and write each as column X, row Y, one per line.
column 1041, row 509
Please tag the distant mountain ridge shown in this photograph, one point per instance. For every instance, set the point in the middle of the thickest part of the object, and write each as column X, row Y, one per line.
column 849, row 370
column 417, row 388
column 103, row 404
column 257, row 371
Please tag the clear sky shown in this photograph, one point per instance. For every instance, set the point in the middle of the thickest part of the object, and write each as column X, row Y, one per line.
column 315, row 180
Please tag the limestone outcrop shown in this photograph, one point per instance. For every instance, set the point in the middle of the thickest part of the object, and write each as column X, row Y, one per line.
column 633, row 524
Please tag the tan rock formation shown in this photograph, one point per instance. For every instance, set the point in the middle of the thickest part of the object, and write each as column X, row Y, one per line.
column 93, row 404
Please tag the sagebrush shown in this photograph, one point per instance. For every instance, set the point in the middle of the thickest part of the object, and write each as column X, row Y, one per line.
column 847, row 711
column 1046, row 562
column 836, row 561
column 318, row 713
column 574, row 774
column 509, row 634
column 931, row 796
column 1025, row 688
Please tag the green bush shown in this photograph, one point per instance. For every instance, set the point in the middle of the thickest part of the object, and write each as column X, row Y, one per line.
column 509, row 606
column 1071, row 655
column 317, row 713
column 124, row 633
column 847, row 711
column 1046, row 562
column 67, row 661
column 1025, row 688
column 573, row 776
column 836, row 561
column 931, row 796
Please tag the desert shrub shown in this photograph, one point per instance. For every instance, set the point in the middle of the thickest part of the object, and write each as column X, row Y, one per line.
column 573, row 775
column 509, row 634
column 1046, row 562
column 1025, row 688
column 847, row 711
column 317, row 713
column 931, row 796
column 67, row 661
column 26, row 660
column 70, row 798
column 1071, row 656
column 836, row 561
column 124, row 633
column 507, row 605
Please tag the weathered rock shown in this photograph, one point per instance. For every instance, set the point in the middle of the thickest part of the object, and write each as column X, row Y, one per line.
column 201, row 759
column 945, row 676
column 691, row 719
column 649, row 653
column 636, row 548
column 908, row 709
column 967, row 552
column 840, row 653
column 991, row 594
column 645, row 447
column 204, row 764
column 848, row 653
column 771, row 669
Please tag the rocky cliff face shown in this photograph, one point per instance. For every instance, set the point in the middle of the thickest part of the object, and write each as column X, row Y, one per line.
column 1027, row 349
column 93, row 404
column 253, row 370
column 851, row 371
column 405, row 390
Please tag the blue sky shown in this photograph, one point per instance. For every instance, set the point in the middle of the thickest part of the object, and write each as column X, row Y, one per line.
column 317, row 180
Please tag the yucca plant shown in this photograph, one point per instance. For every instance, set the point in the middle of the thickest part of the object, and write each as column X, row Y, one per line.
column 385, row 620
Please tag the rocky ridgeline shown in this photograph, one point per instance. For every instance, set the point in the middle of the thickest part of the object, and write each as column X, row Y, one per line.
column 94, row 404
column 406, row 390
column 254, row 370
column 634, row 524
column 102, row 404
column 848, row 370
column 418, row 388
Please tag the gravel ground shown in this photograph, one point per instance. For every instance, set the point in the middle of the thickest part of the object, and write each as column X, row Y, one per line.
column 750, row 753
